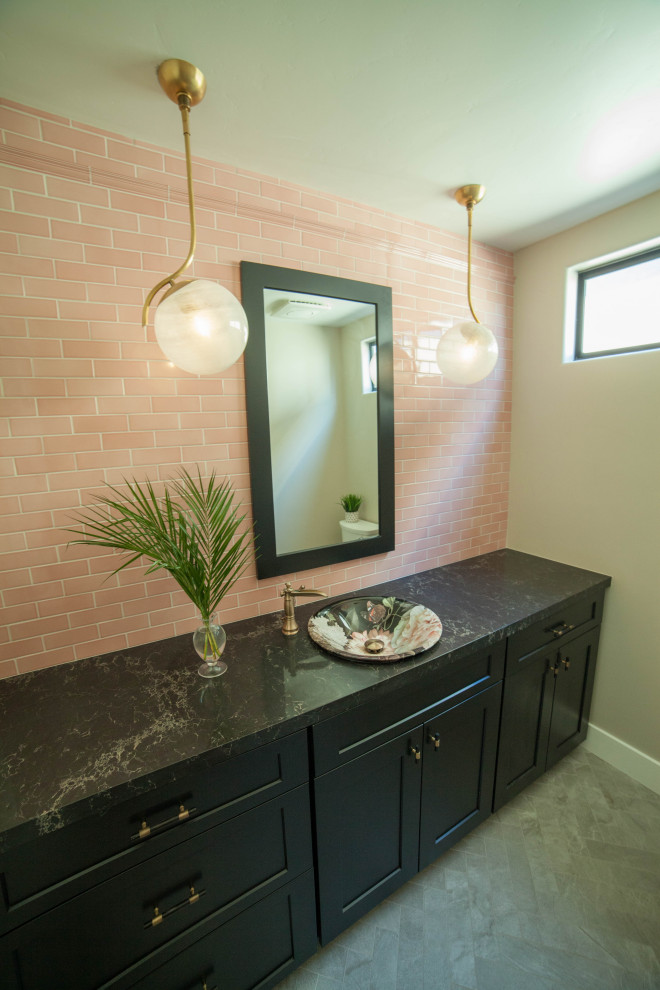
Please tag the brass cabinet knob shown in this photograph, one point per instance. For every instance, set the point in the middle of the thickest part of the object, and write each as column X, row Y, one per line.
column 416, row 752
column 435, row 739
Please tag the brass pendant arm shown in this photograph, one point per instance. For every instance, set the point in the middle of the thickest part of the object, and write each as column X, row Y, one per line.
column 184, row 105
column 469, row 271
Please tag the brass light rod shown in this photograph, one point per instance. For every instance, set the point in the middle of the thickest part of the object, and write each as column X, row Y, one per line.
column 468, row 196
column 185, row 85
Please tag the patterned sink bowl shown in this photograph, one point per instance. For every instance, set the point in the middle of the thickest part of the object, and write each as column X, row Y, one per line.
column 375, row 630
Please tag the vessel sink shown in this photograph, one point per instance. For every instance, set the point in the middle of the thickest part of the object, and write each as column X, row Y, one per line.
column 375, row 630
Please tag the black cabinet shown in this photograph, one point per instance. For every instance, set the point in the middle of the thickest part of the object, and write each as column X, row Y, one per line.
column 60, row 864
column 206, row 878
column 573, row 674
column 257, row 948
column 547, row 696
column 389, row 812
column 226, row 862
column 367, row 823
column 460, row 748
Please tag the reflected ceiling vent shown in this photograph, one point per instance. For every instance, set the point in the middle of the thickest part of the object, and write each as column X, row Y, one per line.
column 301, row 309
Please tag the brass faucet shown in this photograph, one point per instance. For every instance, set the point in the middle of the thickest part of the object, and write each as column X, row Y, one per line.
column 289, row 624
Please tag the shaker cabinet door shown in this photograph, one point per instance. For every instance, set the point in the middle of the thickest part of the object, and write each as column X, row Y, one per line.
column 459, row 772
column 367, row 819
column 572, row 698
column 524, row 725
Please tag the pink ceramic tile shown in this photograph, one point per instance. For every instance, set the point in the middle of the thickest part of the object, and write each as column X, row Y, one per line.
column 46, row 206
column 71, row 137
column 79, row 232
column 77, row 192
column 103, row 217
column 87, row 362
column 21, row 223
column 123, row 151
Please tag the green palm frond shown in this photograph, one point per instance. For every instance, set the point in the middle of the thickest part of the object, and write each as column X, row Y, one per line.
column 191, row 531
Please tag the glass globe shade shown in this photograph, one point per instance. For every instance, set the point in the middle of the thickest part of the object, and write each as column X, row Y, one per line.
column 467, row 353
column 201, row 327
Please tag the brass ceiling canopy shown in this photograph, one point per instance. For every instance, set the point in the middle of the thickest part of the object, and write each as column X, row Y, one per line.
column 178, row 78
column 470, row 195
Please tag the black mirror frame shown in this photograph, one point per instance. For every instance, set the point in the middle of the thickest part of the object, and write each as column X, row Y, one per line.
column 254, row 279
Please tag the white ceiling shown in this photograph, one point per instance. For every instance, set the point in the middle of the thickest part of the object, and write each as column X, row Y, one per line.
column 554, row 105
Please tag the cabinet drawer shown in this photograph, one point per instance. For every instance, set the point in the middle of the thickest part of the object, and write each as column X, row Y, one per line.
column 563, row 622
column 352, row 734
column 257, row 948
column 94, row 937
column 43, row 873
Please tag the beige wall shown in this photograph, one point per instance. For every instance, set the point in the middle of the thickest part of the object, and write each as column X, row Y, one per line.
column 585, row 466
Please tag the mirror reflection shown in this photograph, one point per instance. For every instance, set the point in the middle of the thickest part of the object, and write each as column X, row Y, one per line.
column 322, row 401
column 319, row 396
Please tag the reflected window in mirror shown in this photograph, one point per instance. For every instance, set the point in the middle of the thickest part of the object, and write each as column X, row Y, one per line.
column 319, row 426
column 369, row 366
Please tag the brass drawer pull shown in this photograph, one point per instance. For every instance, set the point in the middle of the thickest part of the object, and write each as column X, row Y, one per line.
column 560, row 629
column 158, row 918
column 205, row 987
column 566, row 662
column 147, row 830
column 435, row 739
column 554, row 667
column 416, row 752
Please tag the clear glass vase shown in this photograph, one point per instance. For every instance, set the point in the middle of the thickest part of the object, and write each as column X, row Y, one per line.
column 209, row 642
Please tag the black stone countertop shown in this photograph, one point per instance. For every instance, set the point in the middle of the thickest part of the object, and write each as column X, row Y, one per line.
column 78, row 738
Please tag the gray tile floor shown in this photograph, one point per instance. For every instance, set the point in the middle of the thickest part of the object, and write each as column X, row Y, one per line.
column 560, row 890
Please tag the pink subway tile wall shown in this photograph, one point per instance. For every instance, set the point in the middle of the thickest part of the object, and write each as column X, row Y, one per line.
column 89, row 222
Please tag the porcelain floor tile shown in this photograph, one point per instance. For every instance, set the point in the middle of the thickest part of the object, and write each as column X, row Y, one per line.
column 557, row 891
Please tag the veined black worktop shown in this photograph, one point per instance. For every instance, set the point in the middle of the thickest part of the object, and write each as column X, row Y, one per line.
column 163, row 832
column 78, row 737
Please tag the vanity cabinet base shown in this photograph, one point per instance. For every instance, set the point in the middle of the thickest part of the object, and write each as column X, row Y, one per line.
column 545, row 711
column 389, row 813
column 253, row 951
column 367, row 823
column 207, row 880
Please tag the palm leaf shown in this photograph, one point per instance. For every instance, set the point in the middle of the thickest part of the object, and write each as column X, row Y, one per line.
column 191, row 531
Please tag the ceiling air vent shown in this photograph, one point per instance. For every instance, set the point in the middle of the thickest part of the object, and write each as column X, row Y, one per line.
column 302, row 309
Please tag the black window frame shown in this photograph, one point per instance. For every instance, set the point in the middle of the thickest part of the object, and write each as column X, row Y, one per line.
column 582, row 278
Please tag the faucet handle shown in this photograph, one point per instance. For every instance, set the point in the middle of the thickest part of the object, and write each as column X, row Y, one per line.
column 289, row 592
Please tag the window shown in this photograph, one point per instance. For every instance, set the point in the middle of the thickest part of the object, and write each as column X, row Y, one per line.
column 618, row 306
column 369, row 366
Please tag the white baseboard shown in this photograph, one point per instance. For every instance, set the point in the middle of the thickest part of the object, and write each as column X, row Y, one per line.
column 624, row 757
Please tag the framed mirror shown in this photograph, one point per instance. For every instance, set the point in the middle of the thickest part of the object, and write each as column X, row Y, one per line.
column 320, row 414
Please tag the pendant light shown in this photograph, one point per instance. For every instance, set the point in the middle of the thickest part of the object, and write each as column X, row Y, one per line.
column 467, row 352
column 200, row 326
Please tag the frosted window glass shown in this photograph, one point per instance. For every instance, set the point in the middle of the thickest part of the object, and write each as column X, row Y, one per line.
column 621, row 308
